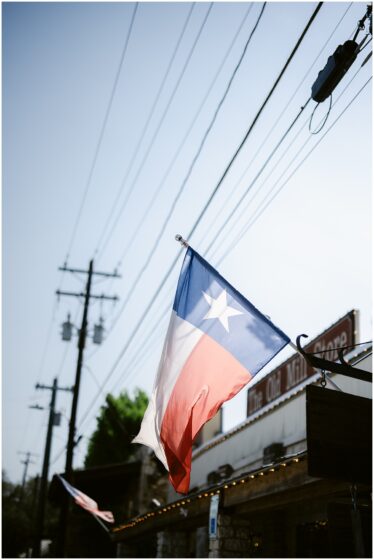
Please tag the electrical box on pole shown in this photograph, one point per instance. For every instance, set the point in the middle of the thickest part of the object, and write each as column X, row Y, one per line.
column 336, row 67
column 67, row 329
column 339, row 63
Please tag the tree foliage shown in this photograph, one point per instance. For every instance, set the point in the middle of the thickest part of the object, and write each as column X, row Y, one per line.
column 118, row 423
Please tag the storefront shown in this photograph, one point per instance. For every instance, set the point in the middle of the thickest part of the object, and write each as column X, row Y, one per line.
column 251, row 492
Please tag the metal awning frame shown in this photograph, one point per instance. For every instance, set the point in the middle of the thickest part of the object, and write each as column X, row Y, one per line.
column 341, row 367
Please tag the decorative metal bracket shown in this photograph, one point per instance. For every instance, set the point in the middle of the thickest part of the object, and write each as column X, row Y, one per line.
column 335, row 367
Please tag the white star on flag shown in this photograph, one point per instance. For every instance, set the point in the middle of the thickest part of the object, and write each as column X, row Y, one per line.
column 220, row 310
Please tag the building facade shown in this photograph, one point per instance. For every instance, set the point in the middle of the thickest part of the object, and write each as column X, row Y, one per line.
column 252, row 494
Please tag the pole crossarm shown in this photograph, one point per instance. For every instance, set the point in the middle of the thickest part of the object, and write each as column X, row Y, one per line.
column 335, row 367
column 82, row 271
column 39, row 386
column 81, row 294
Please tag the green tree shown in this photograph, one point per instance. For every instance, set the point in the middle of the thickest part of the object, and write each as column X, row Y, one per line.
column 117, row 424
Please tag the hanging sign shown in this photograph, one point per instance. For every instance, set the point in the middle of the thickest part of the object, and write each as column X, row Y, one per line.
column 339, row 435
column 213, row 516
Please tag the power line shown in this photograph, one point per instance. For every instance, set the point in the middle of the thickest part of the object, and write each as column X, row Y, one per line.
column 160, row 123
column 145, row 128
column 282, row 112
column 131, row 364
column 162, row 182
column 309, row 138
column 137, row 359
column 261, row 211
column 285, row 134
column 175, row 260
column 103, row 127
column 180, row 191
column 176, row 154
column 224, row 205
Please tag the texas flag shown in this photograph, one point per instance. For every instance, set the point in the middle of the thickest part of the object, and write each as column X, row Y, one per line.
column 86, row 502
column 217, row 341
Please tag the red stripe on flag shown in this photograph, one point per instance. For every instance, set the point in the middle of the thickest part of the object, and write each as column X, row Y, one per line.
column 210, row 376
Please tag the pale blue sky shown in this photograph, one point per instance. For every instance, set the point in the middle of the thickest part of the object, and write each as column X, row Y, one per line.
column 305, row 262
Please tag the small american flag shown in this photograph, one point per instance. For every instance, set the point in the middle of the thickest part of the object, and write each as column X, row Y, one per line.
column 86, row 502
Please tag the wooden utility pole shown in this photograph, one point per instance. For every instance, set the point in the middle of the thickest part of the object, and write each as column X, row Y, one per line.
column 72, row 428
column 26, row 462
column 44, row 478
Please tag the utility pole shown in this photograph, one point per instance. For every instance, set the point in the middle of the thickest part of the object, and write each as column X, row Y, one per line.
column 44, row 478
column 81, row 344
column 26, row 462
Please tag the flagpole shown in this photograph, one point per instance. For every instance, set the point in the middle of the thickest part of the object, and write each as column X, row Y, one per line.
column 101, row 523
column 294, row 347
column 182, row 241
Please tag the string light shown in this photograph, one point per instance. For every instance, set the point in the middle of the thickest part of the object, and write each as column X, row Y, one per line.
column 250, row 477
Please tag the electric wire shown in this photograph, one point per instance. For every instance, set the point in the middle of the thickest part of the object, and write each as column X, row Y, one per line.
column 24, row 434
column 176, row 154
column 158, row 128
column 309, row 138
column 178, row 151
column 215, row 190
column 268, row 159
column 296, row 47
column 237, row 184
column 64, row 356
column 343, row 347
column 146, row 126
column 224, row 205
column 133, row 364
column 101, row 135
column 158, row 237
column 263, row 167
column 265, row 206
column 162, row 182
column 323, row 121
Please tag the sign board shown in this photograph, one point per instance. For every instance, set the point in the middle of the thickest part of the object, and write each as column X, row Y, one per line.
column 295, row 370
column 339, row 435
column 213, row 516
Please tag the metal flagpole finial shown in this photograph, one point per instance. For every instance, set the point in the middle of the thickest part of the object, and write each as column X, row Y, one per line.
column 182, row 241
